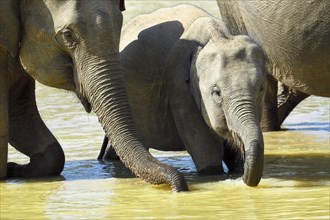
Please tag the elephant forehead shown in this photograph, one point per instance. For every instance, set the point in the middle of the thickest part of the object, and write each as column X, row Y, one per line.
column 217, row 60
column 63, row 16
column 240, row 48
column 55, row 15
column 236, row 75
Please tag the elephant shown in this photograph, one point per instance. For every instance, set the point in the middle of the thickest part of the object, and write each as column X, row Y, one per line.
column 71, row 45
column 194, row 86
column 295, row 36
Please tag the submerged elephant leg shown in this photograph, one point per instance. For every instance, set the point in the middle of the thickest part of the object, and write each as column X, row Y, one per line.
column 111, row 154
column 29, row 135
column 270, row 120
column 288, row 99
column 107, row 152
column 103, row 148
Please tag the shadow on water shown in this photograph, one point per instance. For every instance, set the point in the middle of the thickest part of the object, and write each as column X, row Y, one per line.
column 307, row 167
column 94, row 169
column 84, row 170
column 308, row 126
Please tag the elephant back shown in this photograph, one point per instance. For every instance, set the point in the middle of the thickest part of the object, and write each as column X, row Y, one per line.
column 294, row 35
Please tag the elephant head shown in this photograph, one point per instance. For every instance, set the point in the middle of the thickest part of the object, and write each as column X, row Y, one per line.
column 227, row 81
column 74, row 45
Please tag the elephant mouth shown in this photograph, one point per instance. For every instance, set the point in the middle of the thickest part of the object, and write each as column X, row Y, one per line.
column 80, row 94
column 235, row 142
column 238, row 143
column 232, row 139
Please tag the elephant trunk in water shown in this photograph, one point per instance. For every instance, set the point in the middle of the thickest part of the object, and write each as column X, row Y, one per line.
column 102, row 83
column 244, row 122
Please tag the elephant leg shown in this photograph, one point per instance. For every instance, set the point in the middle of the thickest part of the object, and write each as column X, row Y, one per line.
column 204, row 146
column 233, row 158
column 107, row 153
column 4, row 92
column 29, row 135
column 288, row 99
column 270, row 120
column 103, row 148
column 111, row 154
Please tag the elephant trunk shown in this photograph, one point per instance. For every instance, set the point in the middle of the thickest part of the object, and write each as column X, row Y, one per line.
column 254, row 161
column 244, row 122
column 102, row 83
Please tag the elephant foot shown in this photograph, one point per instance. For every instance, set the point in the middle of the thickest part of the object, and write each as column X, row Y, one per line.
column 211, row 170
column 48, row 163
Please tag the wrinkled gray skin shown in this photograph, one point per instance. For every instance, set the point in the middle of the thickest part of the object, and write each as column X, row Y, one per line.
column 295, row 36
column 192, row 85
column 72, row 45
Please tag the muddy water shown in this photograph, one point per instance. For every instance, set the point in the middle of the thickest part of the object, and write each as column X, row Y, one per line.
column 295, row 184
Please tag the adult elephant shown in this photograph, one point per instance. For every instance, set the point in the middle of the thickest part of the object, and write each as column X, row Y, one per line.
column 72, row 45
column 295, row 36
column 195, row 87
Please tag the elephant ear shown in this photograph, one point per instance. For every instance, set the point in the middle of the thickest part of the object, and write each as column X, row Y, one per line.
column 193, row 76
column 10, row 25
column 122, row 5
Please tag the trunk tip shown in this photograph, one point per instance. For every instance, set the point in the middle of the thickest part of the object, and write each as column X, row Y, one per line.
column 251, row 181
column 177, row 181
column 254, row 163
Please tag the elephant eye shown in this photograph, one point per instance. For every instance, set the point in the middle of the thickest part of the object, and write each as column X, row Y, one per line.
column 66, row 38
column 216, row 94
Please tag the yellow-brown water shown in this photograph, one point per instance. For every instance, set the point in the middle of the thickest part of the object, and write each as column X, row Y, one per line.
column 295, row 184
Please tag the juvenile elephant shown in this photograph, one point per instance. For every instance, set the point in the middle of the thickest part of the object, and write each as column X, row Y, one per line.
column 295, row 36
column 193, row 85
column 72, row 45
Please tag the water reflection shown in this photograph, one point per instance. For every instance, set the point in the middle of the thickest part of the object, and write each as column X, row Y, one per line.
column 309, row 126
